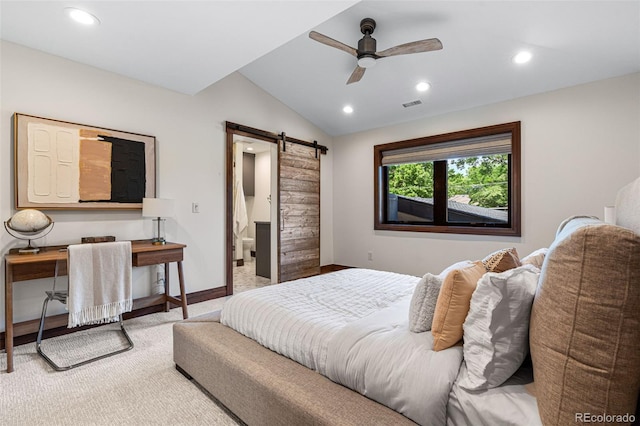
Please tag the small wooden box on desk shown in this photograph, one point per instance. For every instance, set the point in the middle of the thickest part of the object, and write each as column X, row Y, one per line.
column 22, row 267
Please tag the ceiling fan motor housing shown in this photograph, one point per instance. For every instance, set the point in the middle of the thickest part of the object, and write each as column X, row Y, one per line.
column 367, row 46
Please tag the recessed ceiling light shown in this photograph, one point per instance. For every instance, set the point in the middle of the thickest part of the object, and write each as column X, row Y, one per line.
column 81, row 16
column 249, row 148
column 522, row 57
column 423, row 86
column 348, row 109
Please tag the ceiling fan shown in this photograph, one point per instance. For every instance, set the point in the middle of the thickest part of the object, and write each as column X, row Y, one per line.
column 366, row 51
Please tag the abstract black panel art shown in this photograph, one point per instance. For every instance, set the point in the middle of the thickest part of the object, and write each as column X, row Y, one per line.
column 127, row 170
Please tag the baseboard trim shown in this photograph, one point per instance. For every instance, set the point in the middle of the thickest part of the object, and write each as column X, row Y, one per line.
column 332, row 268
column 23, row 331
column 204, row 295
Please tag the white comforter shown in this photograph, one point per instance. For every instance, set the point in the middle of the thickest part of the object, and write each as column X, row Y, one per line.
column 352, row 326
column 298, row 318
column 380, row 358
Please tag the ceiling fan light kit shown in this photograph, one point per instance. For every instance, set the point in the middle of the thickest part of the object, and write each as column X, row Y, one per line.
column 366, row 53
column 366, row 61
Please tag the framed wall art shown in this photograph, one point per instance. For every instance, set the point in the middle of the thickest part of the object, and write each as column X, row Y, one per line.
column 71, row 166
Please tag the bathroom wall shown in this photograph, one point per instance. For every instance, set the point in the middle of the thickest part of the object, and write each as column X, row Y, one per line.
column 249, row 196
column 261, row 206
column 251, row 228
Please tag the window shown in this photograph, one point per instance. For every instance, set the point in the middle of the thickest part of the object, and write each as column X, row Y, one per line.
column 465, row 182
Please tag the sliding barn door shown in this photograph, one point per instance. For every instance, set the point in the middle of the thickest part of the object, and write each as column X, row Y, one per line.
column 299, row 196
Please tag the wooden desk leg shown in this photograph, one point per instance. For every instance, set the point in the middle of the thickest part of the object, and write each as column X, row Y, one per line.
column 167, row 304
column 8, row 316
column 183, row 295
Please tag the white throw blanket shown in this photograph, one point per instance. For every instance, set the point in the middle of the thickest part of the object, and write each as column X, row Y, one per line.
column 99, row 282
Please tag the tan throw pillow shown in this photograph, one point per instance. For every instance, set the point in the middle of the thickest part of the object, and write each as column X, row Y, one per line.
column 453, row 305
column 535, row 258
column 502, row 260
column 584, row 334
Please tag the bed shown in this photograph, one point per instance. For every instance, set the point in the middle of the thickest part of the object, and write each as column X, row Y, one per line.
column 348, row 347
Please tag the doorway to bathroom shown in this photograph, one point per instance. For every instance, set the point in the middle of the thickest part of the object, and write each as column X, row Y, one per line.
column 254, row 182
column 293, row 227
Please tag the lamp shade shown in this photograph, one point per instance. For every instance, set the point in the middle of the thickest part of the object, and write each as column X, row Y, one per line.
column 157, row 207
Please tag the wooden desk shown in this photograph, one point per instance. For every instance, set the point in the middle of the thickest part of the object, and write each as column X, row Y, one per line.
column 23, row 267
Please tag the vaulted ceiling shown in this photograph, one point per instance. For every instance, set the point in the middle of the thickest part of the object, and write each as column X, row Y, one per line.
column 186, row 46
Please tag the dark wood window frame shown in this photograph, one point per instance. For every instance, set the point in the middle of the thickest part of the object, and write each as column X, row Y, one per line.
column 513, row 228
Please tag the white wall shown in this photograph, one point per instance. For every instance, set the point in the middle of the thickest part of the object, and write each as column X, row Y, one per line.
column 579, row 146
column 190, row 149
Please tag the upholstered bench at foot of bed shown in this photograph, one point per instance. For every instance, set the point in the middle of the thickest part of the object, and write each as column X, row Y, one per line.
column 264, row 388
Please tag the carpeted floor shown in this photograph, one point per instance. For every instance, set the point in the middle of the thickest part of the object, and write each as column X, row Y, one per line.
column 138, row 387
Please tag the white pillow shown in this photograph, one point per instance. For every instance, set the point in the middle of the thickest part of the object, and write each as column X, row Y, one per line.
column 423, row 303
column 627, row 205
column 535, row 258
column 496, row 330
column 458, row 265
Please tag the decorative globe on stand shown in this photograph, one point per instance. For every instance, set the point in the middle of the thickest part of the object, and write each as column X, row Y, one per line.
column 29, row 224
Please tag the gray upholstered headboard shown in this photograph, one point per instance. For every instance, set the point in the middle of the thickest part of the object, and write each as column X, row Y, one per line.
column 585, row 320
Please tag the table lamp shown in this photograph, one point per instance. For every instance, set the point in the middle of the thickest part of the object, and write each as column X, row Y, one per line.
column 158, row 208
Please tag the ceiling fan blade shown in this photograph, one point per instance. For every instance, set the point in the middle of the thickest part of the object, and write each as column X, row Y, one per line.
column 356, row 75
column 333, row 43
column 427, row 45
